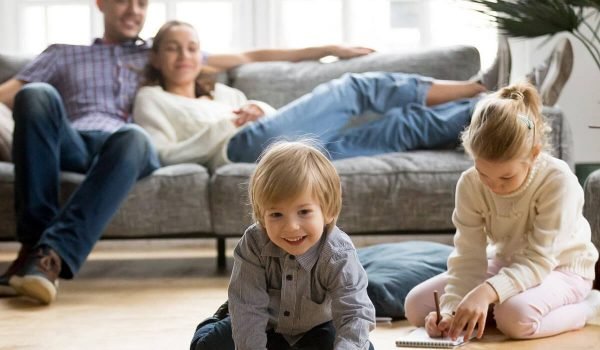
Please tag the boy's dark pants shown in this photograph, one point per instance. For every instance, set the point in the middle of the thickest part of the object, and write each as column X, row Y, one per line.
column 213, row 334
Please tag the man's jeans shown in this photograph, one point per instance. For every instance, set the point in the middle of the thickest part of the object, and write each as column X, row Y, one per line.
column 406, row 123
column 44, row 144
column 213, row 334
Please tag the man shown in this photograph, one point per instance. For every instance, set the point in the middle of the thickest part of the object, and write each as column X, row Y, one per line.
column 72, row 107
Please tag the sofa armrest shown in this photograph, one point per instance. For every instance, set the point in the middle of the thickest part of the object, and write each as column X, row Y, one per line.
column 591, row 209
column 561, row 137
column 11, row 65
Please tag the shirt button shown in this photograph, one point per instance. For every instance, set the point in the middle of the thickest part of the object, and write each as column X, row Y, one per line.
column 288, row 277
column 286, row 313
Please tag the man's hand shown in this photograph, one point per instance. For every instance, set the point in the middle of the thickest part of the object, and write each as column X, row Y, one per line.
column 345, row 52
column 247, row 113
column 472, row 311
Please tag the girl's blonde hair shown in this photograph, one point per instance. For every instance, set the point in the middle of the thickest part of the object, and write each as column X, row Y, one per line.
column 286, row 170
column 506, row 125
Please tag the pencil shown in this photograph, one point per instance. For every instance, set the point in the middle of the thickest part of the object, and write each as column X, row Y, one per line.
column 436, row 298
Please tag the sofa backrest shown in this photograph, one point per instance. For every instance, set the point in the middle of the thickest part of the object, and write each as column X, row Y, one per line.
column 278, row 83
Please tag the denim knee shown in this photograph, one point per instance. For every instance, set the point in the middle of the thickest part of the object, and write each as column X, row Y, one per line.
column 34, row 101
column 515, row 320
column 132, row 146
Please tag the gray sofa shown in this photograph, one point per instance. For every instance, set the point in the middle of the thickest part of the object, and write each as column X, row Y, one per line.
column 395, row 193
column 591, row 210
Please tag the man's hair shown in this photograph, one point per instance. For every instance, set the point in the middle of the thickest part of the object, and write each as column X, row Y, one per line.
column 506, row 125
column 286, row 169
column 206, row 80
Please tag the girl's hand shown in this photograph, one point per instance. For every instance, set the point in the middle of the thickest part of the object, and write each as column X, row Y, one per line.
column 247, row 113
column 435, row 329
column 472, row 311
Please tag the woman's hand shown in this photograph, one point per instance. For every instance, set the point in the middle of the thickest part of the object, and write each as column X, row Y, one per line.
column 437, row 329
column 247, row 113
column 472, row 311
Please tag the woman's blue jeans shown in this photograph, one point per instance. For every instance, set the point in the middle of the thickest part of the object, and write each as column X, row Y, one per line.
column 45, row 144
column 214, row 334
column 406, row 123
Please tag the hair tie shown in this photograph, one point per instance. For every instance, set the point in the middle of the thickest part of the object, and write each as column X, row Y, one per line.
column 526, row 120
column 517, row 95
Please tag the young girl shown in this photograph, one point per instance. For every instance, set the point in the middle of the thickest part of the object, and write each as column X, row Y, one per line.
column 212, row 124
column 521, row 243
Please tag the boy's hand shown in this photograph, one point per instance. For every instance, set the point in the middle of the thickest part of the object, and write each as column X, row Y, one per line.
column 472, row 311
column 435, row 329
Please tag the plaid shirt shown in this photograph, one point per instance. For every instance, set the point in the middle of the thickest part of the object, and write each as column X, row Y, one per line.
column 97, row 83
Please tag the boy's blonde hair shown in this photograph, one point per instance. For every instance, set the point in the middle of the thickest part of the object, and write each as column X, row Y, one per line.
column 286, row 170
column 506, row 125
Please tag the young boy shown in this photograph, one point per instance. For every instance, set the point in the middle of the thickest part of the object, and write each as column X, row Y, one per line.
column 296, row 278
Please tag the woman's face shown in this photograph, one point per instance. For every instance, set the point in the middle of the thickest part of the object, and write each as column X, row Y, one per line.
column 178, row 58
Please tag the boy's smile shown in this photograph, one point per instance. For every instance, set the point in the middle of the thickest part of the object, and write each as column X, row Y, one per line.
column 295, row 225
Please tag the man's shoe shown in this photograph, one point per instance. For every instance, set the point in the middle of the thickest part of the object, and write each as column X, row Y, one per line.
column 6, row 290
column 498, row 75
column 222, row 311
column 560, row 66
column 38, row 278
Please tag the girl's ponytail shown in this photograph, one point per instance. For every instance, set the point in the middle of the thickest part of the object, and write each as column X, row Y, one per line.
column 507, row 124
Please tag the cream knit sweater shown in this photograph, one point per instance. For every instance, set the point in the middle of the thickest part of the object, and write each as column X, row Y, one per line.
column 533, row 231
column 190, row 130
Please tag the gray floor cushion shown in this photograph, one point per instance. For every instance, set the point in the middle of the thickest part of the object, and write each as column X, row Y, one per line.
column 395, row 268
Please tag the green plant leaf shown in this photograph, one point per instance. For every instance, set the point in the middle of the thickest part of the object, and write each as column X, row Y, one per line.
column 529, row 18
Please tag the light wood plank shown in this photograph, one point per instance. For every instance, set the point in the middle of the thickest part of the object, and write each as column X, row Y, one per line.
column 151, row 295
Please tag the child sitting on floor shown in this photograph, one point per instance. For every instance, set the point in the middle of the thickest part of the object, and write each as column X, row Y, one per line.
column 296, row 281
column 522, row 244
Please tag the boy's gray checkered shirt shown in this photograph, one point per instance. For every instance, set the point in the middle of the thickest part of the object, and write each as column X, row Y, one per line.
column 271, row 289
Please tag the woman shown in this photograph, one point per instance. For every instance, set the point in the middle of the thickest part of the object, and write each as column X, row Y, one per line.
column 191, row 119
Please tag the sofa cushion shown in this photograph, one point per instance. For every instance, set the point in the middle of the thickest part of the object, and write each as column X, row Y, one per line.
column 408, row 191
column 172, row 201
column 263, row 81
column 394, row 269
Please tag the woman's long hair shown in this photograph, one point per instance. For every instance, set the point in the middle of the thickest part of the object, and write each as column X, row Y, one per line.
column 205, row 82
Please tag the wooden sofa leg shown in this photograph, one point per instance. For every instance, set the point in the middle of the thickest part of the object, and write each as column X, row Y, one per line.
column 221, row 259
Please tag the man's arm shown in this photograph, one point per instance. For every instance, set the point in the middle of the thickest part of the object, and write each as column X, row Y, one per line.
column 8, row 90
column 222, row 62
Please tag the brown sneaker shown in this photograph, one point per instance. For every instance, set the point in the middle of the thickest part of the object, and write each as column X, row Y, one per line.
column 38, row 277
column 6, row 290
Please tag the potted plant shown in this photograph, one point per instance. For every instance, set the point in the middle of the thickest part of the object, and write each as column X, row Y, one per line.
column 533, row 18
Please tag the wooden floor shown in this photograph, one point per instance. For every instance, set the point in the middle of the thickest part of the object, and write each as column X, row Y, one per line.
column 151, row 295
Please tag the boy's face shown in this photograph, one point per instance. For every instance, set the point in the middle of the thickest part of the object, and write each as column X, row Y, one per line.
column 123, row 19
column 295, row 225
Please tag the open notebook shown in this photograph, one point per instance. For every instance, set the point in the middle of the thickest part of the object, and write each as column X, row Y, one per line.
column 419, row 339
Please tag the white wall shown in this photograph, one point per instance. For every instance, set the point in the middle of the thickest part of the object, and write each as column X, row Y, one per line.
column 580, row 99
